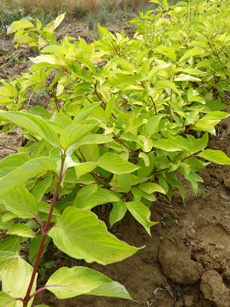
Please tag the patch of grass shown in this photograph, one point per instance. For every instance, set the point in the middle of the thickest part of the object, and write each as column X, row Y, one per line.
column 7, row 4
column 38, row 13
column 102, row 16
column 76, row 7
column 90, row 21
column 7, row 17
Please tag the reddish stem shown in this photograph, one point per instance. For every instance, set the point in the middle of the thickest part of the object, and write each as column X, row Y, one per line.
column 8, row 148
column 38, row 291
column 99, row 97
column 44, row 234
column 154, row 105
column 14, row 300
column 120, row 141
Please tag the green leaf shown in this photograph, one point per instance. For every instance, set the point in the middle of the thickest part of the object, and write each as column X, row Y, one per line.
column 5, row 300
column 81, row 235
column 54, row 49
column 113, row 163
column 6, row 217
column 21, row 24
column 48, row 60
column 84, row 194
column 166, row 51
column 125, row 182
column 95, row 139
column 172, row 179
column 215, row 156
column 144, row 170
column 73, row 133
column 84, row 168
column 33, row 124
column 190, row 53
column 83, row 113
column 150, row 187
column 11, row 244
column 166, row 145
column 91, row 152
column 210, row 120
column 145, row 144
column 164, row 84
column 117, row 213
column 12, row 162
column 34, row 247
column 7, row 256
column 193, row 178
column 153, row 124
column 71, row 282
column 145, row 158
column 45, row 208
column 61, row 120
column 21, row 202
column 141, row 213
column 32, row 168
column 198, row 144
column 21, row 230
column 18, row 271
column 100, row 197
column 87, row 63
column 103, row 31
column 183, row 77
column 54, row 24
column 41, row 187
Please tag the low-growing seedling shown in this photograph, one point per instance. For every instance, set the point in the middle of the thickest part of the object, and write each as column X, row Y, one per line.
column 90, row 21
column 102, row 16
column 40, row 14
column 128, row 118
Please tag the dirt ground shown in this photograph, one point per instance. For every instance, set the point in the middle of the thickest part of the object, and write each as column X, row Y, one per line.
column 186, row 261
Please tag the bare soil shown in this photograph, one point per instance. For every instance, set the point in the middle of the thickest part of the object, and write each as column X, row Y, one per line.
column 186, row 261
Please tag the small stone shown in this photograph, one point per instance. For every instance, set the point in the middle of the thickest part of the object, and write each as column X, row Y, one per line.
column 227, row 182
column 188, row 300
column 205, row 175
column 177, row 264
column 214, row 289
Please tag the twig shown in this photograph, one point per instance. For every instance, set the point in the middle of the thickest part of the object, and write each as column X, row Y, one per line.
column 120, row 141
column 10, row 148
column 104, row 104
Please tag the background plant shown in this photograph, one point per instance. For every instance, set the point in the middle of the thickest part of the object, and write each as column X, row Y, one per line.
column 128, row 119
column 90, row 21
column 102, row 16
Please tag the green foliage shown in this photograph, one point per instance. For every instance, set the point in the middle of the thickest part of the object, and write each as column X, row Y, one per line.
column 127, row 118
column 6, row 18
column 90, row 21
column 39, row 13
column 102, row 16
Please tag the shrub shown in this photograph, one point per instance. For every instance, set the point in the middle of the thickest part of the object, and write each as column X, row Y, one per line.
column 127, row 119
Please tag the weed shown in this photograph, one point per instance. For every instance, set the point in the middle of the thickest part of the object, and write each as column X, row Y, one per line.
column 128, row 13
column 113, row 18
column 102, row 16
column 64, row 9
column 90, row 21
column 78, row 11
column 120, row 14
column 40, row 14
column 108, row 6
column 6, row 18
